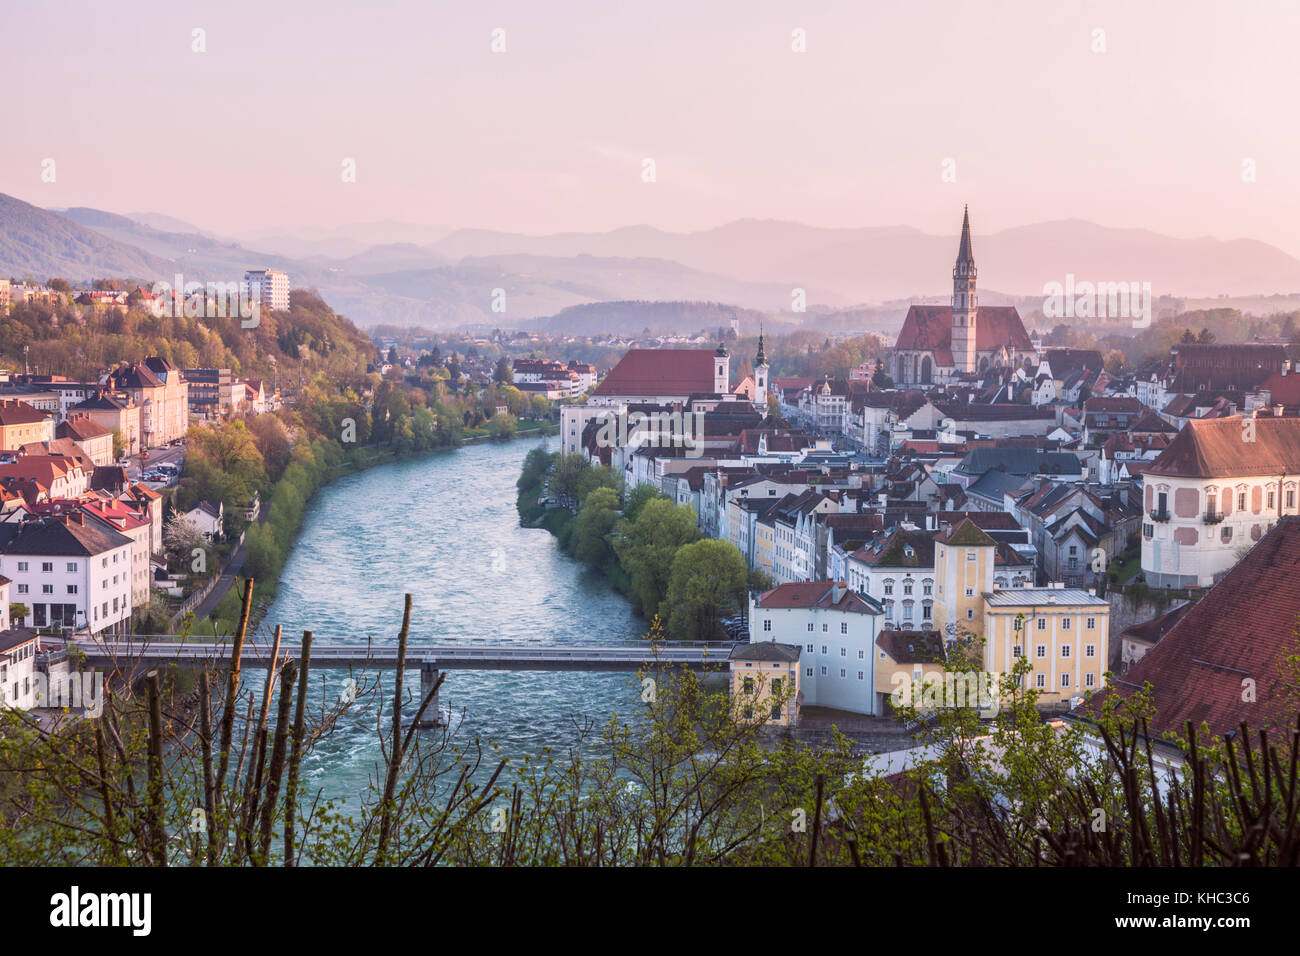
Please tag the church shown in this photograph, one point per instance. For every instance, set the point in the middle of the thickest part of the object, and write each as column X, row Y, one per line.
column 938, row 344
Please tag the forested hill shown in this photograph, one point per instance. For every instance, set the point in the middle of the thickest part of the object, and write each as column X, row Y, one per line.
column 82, row 343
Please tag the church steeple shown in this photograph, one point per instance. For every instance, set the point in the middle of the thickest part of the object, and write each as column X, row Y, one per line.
column 965, row 258
column 964, row 307
column 760, row 374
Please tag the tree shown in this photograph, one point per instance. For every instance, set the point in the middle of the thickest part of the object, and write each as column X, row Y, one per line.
column 1206, row 337
column 503, row 372
column 591, row 529
column 565, row 473
column 601, row 476
column 637, row 499
column 18, row 612
column 648, row 546
column 707, row 578
column 180, row 538
column 119, row 444
column 1114, row 361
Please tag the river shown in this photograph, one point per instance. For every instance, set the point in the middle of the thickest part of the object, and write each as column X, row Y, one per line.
column 444, row 528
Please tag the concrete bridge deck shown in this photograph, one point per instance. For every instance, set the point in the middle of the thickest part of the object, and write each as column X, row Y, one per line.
column 467, row 655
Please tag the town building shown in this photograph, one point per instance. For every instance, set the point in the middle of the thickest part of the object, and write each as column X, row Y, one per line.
column 1063, row 632
column 765, row 682
column 68, row 571
column 836, row 631
column 1213, row 493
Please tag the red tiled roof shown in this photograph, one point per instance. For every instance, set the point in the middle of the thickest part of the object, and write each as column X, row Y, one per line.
column 660, row 372
column 818, row 594
column 1215, row 448
column 930, row 327
column 1242, row 629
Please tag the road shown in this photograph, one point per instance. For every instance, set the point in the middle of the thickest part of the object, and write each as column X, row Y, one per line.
column 157, row 456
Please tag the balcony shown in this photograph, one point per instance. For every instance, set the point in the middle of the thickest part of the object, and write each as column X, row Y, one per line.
column 1158, row 514
column 1212, row 517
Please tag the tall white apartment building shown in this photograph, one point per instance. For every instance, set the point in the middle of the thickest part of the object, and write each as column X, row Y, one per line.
column 270, row 287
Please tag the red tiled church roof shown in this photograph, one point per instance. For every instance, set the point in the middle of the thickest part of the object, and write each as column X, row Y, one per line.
column 930, row 327
column 660, row 372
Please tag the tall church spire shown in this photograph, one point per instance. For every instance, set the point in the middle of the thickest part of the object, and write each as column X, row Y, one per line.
column 965, row 310
column 761, row 357
column 964, row 255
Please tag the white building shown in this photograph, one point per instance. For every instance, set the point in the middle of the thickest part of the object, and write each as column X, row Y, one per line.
column 18, row 668
column 837, row 630
column 1214, row 492
column 270, row 287
column 69, row 571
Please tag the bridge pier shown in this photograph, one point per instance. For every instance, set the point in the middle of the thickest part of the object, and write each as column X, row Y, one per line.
column 429, row 677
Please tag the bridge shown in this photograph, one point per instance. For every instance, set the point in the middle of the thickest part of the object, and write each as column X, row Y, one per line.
column 156, row 650
column 136, row 654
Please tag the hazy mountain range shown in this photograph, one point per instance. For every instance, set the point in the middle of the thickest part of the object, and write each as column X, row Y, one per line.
column 405, row 273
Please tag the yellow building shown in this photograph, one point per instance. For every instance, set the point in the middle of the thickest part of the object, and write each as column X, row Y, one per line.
column 1064, row 632
column 765, row 682
column 907, row 659
column 963, row 569
column 21, row 424
column 764, row 545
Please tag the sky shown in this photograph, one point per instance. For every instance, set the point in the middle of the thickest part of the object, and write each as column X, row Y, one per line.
column 1179, row 117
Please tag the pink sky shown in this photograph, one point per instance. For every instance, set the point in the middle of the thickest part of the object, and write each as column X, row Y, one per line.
column 550, row 135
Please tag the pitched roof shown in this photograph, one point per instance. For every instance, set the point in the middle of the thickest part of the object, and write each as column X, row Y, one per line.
column 817, row 594
column 81, row 428
column 766, row 651
column 1242, row 628
column 1215, row 448
column 930, row 327
column 660, row 372
column 14, row 412
column 56, row 537
column 912, row 647
column 964, row 533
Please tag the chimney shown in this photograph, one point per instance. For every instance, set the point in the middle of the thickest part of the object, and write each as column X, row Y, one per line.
column 837, row 592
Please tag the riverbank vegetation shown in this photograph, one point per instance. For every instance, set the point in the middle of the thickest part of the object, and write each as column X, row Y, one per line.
column 650, row 548
column 681, row 783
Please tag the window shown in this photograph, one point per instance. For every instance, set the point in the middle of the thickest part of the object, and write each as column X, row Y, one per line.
column 825, row 628
column 862, row 675
column 844, row 627
column 810, row 648
column 1040, row 650
column 1089, row 680
column 889, row 587
column 1042, row 624
column 1090, row 650
column 1065, row 680
column 1040, row 680
column 1015, row 650
column 907, row 587
column 927, row 589
column 72, row 565
column 776, row 711
column 823, row 648
column 810, row 626
column 1241, row 501
column 1226, row 533
column 1065, row 623
column 1290, row 498
column 844, row 652
column 22, row 565
column 776, row 687
column 1270, row 499
column 970, row 614
column 823, row 670
column 843, row 673
column 22, row 589
column 748, row 685
column 970, row 592
column 767, row 625
column 47, row 588
column 1065, row 650
column 47, row 567
column 970, row 555
column 1091, row 624
column 807, row 672
column 104, row 562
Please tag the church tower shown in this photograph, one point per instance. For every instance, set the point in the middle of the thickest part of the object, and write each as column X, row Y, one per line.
column 760, row 375
column 964, row 310
column 721, row 370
